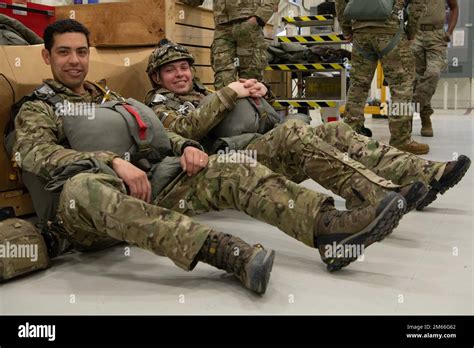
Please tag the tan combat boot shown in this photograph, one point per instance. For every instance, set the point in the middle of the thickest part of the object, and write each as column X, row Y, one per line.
column 426, row 127
column 341, row 236
column 415, row 148
column 250, row 264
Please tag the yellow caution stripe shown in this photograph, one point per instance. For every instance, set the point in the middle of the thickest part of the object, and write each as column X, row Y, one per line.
column 313, row 38
column 305, row 67
column 302, row 104
column 307, row 19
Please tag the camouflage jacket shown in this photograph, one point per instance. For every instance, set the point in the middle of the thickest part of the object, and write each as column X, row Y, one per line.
column 41, row 142
column 416, row 10
column 191, row 121
column 226, row 11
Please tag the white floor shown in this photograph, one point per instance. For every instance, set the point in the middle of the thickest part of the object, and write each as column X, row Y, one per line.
column 425, row 267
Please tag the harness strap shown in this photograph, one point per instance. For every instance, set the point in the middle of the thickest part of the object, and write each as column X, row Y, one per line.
column 378, row 55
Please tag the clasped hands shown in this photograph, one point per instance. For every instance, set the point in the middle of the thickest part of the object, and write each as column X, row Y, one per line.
column 193, row 160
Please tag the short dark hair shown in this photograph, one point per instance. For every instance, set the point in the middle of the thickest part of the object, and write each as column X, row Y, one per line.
column 63, row 26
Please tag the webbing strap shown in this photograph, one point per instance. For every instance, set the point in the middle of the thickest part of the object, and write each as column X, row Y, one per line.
column 142, row 127
column 377, row 55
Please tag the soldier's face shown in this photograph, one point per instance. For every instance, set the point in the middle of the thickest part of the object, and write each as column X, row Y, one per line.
column 69, row 60
column 176, row 77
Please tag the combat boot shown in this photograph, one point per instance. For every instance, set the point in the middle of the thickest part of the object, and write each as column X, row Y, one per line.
column 250, row 264
column 426, row 127
column 55, row 238
column 362, row 130
column 415, row 148
column 341, row 236
column 453, row 173
column 413, row 194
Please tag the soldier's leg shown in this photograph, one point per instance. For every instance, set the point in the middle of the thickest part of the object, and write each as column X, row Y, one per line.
column 294, row 150
column 223, row 56
column 305, row 215
column 402, row 168
column 419, row 53
column 399, row 70
column 95, row 208
column 251, row 53
column 435, row 45
column 248, row 187
column 362, row 74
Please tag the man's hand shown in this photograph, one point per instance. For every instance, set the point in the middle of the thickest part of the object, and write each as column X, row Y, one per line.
column 449, row 36
column 256, row 89
column 240, row 89
column 193, row 160
column 134, row 178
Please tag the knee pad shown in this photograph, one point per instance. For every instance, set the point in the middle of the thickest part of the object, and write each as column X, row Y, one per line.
column 22, row 249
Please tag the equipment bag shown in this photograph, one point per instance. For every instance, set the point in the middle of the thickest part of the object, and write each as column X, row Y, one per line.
column 369, row 10
column 22, row 249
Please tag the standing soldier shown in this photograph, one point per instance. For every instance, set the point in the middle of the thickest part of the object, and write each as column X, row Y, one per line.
column 430, row 49
column 386, row 40
column 239, row 48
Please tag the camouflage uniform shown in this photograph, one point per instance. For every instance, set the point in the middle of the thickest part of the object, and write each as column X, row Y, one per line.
column 239, row 48
column 95, row 208
column 430, row 50
column 358, row 168
column 398, row 66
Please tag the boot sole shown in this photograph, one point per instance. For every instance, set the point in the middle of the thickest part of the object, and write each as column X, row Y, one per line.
column 258, row 271
column 376, row 231
column 433, row 193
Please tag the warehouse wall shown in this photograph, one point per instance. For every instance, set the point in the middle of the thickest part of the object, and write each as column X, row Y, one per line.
column 454, row 93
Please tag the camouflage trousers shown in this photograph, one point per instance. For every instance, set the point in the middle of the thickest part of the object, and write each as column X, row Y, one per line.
column 430, row 51
column 238, row 50
column 95, row 208
column 398, row 67
column 355, row 167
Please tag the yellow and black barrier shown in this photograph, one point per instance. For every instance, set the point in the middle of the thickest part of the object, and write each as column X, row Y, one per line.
column 313, row 39
column 305, row 67
column 313, row 20
column 302, row 104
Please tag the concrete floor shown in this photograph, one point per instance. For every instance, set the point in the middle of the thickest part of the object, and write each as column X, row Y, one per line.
column 424, row 267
